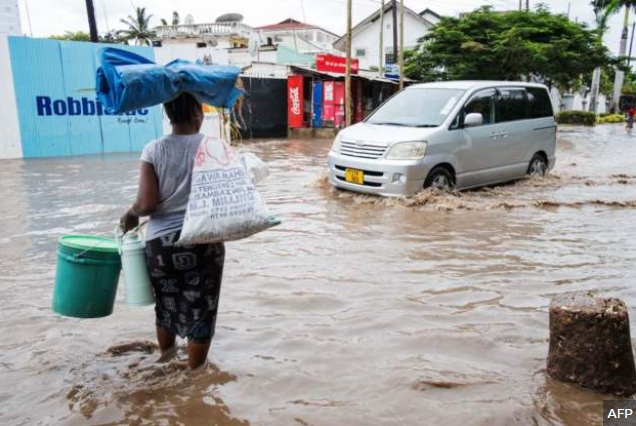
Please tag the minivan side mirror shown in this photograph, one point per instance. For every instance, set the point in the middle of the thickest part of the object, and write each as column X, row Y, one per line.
column 473, row 119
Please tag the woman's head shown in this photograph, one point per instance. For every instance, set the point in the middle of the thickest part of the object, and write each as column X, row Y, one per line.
column 185, row 112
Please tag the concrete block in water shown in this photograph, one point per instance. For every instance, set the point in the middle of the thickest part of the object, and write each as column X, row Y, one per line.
column 590, row 344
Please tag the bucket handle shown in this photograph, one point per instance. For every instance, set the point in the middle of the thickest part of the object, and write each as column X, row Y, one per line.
column 79, row 255
column 119, row 234
column 76, row 258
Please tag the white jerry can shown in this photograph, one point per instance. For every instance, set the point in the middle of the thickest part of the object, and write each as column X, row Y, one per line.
column 139, row 290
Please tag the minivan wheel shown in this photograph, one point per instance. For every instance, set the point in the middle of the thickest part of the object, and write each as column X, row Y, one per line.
column 538, row 166
column 441, row 179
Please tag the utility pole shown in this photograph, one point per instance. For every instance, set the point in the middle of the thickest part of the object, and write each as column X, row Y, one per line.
column 348, row 68
column 631, row 44
column 520, row 5
column 527, row 5
column 381, row 56
column 401, row 44
column 395, row 35
column 91, row 20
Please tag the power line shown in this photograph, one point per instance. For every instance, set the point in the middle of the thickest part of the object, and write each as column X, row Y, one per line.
column 26, row 9
column 302, row 8
column 105, row 11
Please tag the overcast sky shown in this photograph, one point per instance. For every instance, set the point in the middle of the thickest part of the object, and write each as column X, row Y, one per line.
column 48, row 17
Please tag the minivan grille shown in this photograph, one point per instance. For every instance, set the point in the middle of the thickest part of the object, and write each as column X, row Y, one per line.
column 352, row 149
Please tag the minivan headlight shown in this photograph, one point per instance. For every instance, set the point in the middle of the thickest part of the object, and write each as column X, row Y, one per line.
column 335, row 147
column 407, row 151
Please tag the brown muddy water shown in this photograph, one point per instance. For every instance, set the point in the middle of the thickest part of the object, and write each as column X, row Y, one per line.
column 356, row 311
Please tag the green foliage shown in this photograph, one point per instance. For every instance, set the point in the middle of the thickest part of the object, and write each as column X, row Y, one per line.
column 614, row 6
column 138, row 28
column 611, row 118
column 109, row 37
column 72, row 36
column 175, row 20
column 629, row 85
column 576, row 117
column 484, row 45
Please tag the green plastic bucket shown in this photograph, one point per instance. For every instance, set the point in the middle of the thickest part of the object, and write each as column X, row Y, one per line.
column 87, row 275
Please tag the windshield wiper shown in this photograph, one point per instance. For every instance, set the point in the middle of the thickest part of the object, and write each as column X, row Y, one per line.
column 388, row 123
column 392, row 124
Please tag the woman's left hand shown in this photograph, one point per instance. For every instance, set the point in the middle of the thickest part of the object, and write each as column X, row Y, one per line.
column 128, row 221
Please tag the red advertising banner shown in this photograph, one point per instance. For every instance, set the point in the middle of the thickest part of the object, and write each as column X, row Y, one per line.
column 295, row 104
column 338, row 64
column 329, row 101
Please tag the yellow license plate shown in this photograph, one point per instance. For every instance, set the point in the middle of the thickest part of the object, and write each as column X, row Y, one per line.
column 354, row 176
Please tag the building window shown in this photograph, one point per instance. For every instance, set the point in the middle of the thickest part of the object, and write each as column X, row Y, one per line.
column 388, row 58
column 361, row 52
column 388, row 26
column 200, row 45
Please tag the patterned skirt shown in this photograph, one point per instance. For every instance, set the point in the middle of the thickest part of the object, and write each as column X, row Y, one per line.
column 187, row 284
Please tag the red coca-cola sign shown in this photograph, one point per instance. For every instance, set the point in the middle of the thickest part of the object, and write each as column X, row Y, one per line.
column 295, row 101
column 337, row 64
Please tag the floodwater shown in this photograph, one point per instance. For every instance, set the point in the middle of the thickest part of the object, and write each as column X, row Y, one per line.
column 356, row 311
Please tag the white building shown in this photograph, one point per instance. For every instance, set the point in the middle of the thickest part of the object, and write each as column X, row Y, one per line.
column 235, row 43
column 10, row 17
column 302, row 37
column 365, row 41
column 218, row 43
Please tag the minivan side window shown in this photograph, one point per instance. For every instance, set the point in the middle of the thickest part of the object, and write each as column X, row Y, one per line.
column 512, row 104
column 539, row 103
column 483, row 103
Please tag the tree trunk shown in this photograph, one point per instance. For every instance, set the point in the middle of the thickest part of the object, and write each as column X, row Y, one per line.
column 620, row 75
column 596, row 85
column 590, row 344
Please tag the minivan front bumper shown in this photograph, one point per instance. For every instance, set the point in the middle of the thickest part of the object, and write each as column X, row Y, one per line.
column 389, row 178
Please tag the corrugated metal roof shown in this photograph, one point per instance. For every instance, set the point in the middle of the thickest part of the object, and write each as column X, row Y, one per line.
column 367, row 75
column 292, row 24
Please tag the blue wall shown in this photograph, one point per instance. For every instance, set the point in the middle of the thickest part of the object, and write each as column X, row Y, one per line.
column 57, row 107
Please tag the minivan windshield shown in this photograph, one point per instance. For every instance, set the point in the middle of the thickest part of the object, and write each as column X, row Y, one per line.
column 417, row 107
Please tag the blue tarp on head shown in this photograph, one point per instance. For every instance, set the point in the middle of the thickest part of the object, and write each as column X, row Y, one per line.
column 128, row 82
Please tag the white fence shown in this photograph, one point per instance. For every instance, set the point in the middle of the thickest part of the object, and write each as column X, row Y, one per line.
column 213, row 29
column 576, row 102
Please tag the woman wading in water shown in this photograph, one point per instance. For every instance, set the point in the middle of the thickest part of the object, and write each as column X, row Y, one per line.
column 186, row 280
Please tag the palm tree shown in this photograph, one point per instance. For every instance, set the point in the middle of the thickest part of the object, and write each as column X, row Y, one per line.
column 602, row 15
column 175, row 19
column 138, row 28
column 612, row 7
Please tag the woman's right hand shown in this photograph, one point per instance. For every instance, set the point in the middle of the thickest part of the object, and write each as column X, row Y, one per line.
column 128, row 221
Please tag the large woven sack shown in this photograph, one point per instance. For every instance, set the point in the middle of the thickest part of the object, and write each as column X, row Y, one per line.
column 224, row 204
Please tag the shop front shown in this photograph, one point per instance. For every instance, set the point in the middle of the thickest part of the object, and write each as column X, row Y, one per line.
column 316, row 97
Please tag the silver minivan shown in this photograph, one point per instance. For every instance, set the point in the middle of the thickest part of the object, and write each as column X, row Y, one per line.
column 447, row 135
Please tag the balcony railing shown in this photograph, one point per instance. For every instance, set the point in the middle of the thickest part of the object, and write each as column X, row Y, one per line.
column 200, row 30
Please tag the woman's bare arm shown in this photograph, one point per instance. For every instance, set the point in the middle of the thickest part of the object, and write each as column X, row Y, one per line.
column 147, row 197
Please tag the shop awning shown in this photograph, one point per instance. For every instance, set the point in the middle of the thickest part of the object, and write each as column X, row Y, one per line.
column 364, row 74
